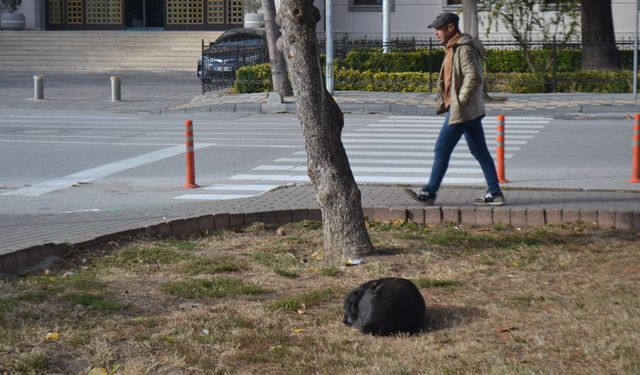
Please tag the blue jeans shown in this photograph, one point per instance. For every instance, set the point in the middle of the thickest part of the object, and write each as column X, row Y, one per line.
column 447, row 141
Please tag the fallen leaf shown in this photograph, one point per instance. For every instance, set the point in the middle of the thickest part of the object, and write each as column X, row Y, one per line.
column 506, row 329
column 98, row 371
column 298, row 330
column 302, row 309
column 52, row 336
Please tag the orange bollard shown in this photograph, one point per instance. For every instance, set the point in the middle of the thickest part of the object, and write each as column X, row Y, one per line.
column 191, row 170
column 635, row 163
column 500, row 151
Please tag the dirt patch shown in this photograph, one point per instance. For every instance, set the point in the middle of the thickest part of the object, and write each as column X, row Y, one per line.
column 500, row 300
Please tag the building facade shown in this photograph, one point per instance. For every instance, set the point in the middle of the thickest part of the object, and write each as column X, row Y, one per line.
column 355, row 18
column 132, row 14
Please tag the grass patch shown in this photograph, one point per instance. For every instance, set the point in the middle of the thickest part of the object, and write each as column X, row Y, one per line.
column 213, row 265
column 311, row 298
column 211, row 288
column 330, row 271
column 308, row 224
column 292, row 274
column 95, row 302
column 146, row 255
column 435, row 283
column 499, row 299
column 182, row 245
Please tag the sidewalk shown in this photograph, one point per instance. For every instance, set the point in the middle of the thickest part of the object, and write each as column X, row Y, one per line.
column 181, row 92
column 27, row 239
column 568, row 106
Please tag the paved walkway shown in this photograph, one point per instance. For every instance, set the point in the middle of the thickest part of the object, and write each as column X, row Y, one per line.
column 27, row 239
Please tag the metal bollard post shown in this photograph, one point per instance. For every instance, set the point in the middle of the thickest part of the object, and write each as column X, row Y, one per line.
column 500, row 151
column 115, row 88
column 189, row 156
column 38, row 87
column 635, row 160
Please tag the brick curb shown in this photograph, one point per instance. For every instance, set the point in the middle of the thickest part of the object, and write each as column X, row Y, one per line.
column 423, row 215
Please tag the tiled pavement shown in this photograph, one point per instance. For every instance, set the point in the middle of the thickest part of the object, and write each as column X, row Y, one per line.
column 27, row 239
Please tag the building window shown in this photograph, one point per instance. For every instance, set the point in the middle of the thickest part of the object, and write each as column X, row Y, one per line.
column 369, row 5
column 452, row 4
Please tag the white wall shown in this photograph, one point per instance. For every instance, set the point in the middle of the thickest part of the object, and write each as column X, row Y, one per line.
column 411, row 18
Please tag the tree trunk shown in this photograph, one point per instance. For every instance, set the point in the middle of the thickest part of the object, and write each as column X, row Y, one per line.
column 598, row 39
column 470, row 17
column 345, row 233
column 279, row 76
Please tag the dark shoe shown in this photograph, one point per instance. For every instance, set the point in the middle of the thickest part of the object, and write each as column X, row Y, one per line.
column 422, row 196
column 489, row 199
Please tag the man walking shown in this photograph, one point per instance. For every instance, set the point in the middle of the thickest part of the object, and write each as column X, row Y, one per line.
column 460, row 96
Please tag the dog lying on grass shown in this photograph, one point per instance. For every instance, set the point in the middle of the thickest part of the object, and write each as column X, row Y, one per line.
column 384, row 307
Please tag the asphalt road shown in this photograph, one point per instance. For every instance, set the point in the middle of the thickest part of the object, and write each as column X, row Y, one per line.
column 66, row 161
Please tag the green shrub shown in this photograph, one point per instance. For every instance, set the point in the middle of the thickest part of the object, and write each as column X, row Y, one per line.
column 376, row 61
column 593, row 81
column 496, row 61
column 513, row 61
column 348, row 79
column 599, row 81
column 253, row 78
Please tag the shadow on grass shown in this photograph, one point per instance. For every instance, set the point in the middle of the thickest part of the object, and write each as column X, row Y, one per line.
column 442, row 317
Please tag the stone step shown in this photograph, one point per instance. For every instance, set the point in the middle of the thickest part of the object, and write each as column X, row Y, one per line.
column 102, row 50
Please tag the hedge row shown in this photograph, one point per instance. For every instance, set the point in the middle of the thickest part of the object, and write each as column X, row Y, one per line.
column 257, row 78
column 496, row 61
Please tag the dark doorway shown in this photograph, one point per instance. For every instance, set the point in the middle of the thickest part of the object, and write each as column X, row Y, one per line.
column 141, row 14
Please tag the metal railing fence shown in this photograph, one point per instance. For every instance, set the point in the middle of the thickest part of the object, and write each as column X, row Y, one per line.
column 414, row 63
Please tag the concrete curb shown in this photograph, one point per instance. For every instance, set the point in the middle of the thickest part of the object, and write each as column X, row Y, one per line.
column 423, row 215
column 389, row 108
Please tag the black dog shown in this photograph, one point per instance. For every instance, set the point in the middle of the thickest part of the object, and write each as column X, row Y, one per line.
column 385, row 306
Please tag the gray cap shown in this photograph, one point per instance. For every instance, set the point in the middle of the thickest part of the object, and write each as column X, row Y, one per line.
column 444, row 19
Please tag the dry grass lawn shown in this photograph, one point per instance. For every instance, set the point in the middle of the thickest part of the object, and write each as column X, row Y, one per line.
column 552, row 300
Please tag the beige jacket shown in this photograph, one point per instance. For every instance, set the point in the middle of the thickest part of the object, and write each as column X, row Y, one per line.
column 467, row 100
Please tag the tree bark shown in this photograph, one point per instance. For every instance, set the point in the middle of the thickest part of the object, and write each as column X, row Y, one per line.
column 279, row 76
column 598, row 38
column 345, row 233
column 470, row 18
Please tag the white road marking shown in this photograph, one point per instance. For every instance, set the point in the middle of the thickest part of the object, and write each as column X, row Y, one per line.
column 247, row 187
column 356, row 169
column 354, row 161
column 420, row 141
column 97, row 172
column 417, row 135
column 403, row 153
column 359, row 178
column 527, row 125
column 395, row 132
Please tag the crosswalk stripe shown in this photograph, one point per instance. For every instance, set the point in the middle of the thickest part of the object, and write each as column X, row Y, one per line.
column 356, row 169
column 484, row 122
column 350, row 147
column 422, row 136
column 359, row 179
column 438, row 126
column 455, row 155
column 378, row 153
column 354, row 161
column 247, row 187
column 421, row 141
column 433, row 130
column 97, row 172
column 442, row 117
